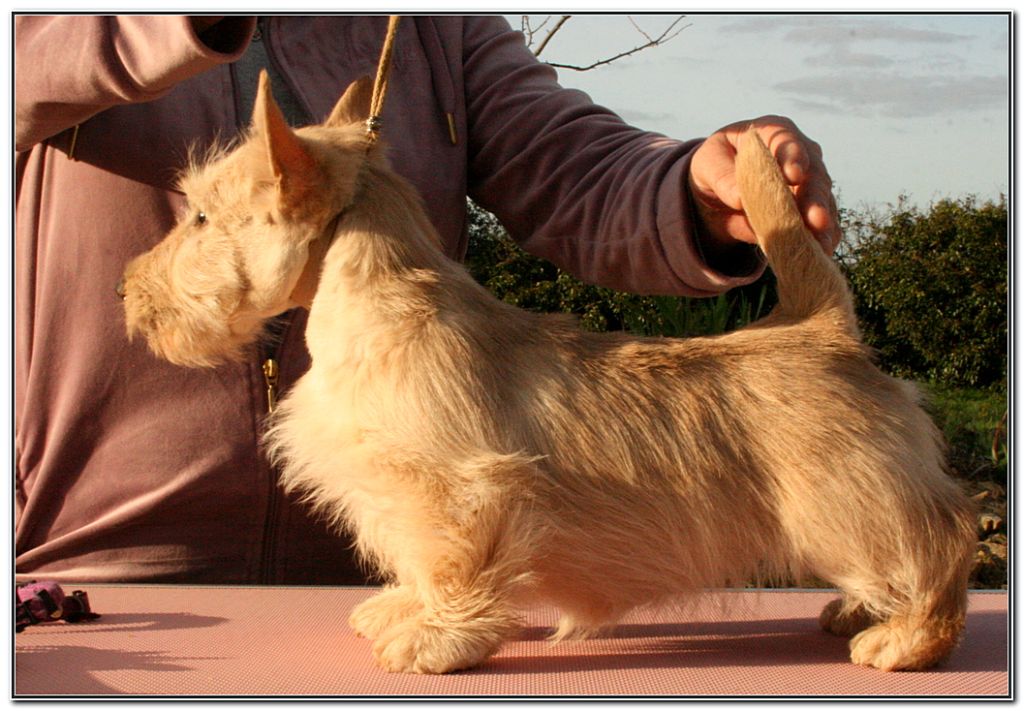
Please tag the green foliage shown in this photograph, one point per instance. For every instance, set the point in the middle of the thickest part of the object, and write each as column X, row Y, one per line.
column 931, row 289
column 974, row 425
column 537, row 285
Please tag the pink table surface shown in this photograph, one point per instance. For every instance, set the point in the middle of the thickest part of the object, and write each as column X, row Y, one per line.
column 259, row 641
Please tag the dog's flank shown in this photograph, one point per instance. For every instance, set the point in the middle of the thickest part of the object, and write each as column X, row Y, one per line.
column 483, row 456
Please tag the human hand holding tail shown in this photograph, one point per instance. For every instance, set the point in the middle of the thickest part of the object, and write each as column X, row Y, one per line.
column 716, row 194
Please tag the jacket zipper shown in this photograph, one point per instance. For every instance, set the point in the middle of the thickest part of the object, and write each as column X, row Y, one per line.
column 270, row 360
column 270, row 376
column 270, row 368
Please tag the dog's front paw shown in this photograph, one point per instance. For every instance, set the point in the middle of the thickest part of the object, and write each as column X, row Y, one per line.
column 386, row 609
column 421, row 646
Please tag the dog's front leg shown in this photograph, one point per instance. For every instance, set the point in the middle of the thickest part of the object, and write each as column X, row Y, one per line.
column 388, row 608
column 461, row 539
column 459, row 625
column 466, row 575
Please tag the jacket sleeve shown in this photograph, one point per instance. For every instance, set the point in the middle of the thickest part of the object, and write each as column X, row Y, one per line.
column 69, row 68
column 575, row 184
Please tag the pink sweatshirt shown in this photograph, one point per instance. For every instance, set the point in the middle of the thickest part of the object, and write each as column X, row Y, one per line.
column 132, row 469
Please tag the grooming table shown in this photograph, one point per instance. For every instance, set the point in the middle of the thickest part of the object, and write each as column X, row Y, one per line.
column 277, row 641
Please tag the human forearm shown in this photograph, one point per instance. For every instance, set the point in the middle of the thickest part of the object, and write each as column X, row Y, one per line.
column 70, row 67
column 575, row 184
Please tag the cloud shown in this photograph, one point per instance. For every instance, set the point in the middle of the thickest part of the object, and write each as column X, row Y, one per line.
column 645, row 118
column 842, row 57
column 880, row 94
column 818, row 107
column 872, row 32
column 883, row 66
column 836, row 29
column 1001, row 43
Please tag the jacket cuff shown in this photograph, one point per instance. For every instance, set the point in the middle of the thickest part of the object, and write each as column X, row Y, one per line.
column 678, row 230
column 229, row 38
column 160, row 52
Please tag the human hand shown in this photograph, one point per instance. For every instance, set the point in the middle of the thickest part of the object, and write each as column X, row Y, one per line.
column 716, row 194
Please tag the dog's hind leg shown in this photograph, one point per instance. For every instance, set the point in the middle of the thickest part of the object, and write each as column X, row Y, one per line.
column 916, row 638
column 909, row 615
column 905, row 593
column 927, row 620
column 846, row 617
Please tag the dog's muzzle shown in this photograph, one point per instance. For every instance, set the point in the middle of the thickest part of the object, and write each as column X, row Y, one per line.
column 119, row 289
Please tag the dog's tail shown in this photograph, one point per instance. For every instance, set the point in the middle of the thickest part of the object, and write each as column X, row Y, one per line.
column 809, row 281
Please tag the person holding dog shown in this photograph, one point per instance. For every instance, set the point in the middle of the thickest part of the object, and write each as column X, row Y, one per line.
column 133, row 470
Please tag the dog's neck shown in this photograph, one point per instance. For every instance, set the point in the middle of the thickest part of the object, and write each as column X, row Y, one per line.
column 305, row 288
column 391, row 234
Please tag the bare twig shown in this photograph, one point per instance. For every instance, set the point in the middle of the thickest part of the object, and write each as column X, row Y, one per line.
column 668, row 34
column 529, row 30
column 524, row 25
column 638, row 28
column 554, row 30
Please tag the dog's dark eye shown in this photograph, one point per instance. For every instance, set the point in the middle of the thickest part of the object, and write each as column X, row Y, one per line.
column 201, row 218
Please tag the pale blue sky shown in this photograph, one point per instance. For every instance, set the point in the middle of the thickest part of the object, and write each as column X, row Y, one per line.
column 911, row 103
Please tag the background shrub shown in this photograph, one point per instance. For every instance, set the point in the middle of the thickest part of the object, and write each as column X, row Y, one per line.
column 931, row 289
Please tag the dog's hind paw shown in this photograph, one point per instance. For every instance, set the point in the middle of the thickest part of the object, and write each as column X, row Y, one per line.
column 839, row 620
column 895, row 646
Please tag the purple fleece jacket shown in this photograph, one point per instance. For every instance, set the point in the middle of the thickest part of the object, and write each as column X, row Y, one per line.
column 130, row 469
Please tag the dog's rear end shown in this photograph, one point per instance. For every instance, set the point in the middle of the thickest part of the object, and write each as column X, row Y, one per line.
column 882, row 519
column 778, row 450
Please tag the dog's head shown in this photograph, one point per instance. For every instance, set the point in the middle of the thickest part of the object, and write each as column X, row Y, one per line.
column 233, row 260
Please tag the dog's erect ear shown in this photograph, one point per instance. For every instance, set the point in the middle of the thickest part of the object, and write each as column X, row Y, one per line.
column 354, row 104
column 296, row 170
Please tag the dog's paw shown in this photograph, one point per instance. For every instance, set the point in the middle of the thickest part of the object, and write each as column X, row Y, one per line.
column 386, row 609
column 419, row 646
column 838, row 620
column 879, row 646
column 892, row 646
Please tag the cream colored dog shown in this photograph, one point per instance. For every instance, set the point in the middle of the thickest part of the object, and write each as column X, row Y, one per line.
column 483, row 456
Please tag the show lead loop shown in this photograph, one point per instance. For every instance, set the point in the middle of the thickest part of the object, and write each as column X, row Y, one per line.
column 380, row 83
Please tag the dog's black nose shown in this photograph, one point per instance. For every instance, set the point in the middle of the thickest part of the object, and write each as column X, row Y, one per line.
column 119, row 289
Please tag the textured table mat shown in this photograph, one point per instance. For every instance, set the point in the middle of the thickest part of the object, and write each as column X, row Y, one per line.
column 242, row 641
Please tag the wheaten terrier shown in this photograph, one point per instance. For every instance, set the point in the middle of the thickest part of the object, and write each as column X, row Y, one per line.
column 483, row 456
